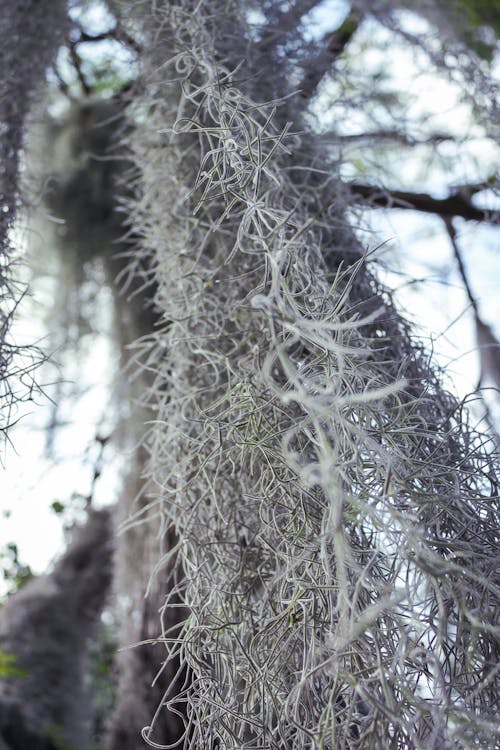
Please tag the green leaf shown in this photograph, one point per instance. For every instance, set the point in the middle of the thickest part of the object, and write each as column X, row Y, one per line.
column 57, row 507
column 8, row 667
column 56, row 735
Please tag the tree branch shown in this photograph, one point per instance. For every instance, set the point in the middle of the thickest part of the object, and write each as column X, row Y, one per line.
column 117, row 34
column 77, row 64
column 458, row 203
column 488, row 346
column 332, row 46
column 461, row 267
column 291, row 17
column 387, row 135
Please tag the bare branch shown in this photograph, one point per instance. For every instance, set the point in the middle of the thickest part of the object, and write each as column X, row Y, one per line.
column 289, row 18
column 461, row 267
column 456, row 204
column 389, row 135
column 488, row 345
column 77, row 64
column 117, row 34
column 331, row 47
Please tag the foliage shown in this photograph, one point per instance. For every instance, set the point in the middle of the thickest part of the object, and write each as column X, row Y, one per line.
column 56, row 737
column 478, row 16
column 8, row 665
column 15, row 573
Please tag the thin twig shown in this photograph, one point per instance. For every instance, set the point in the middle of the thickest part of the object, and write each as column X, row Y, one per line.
column 118, row 34
column 77, row 64
column 461, row 267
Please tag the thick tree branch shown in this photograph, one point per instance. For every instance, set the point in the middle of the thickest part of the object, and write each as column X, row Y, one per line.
column 332, row 46
column 456, row 204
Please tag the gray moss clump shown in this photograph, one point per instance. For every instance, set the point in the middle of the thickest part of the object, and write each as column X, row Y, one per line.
column 337, row 518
